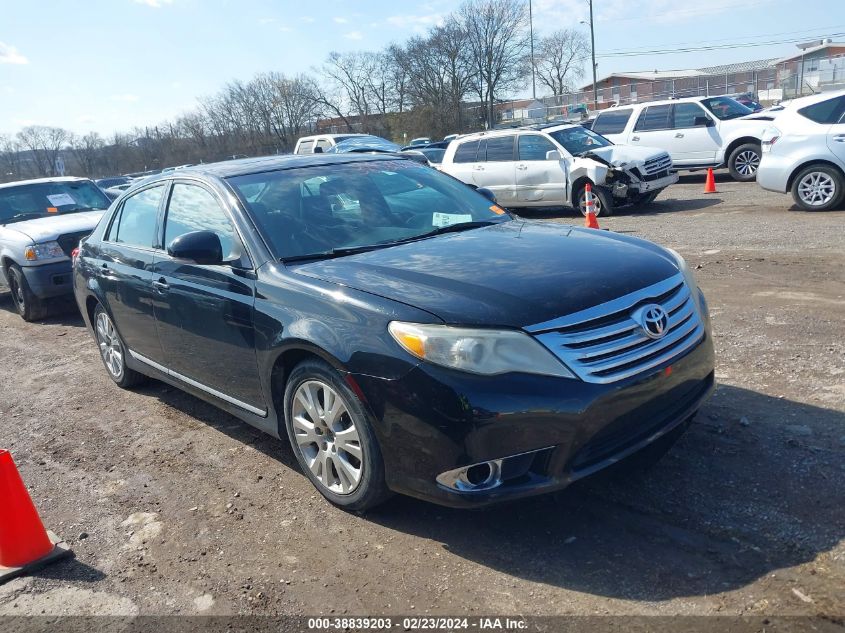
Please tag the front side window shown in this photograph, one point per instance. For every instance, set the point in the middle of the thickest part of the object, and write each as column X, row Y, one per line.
column 135, row 224
column 579, row 140
column 500, row 149
column 534, row 147
column 726, row 108
column 466, row 152
column 654, row 118
column 612, row 121
column 687, row 115
column 825, row 111
column 316, row 212
column 192, row 208
column 41, row 200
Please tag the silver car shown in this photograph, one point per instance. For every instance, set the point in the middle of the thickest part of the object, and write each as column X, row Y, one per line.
column 41, row 222
column 804, row 152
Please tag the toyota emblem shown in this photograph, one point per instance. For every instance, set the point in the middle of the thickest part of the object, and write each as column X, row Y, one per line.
column 654, row 321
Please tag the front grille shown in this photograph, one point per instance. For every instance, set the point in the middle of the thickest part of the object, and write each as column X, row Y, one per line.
column 69, row 241
column 607, row 343
column 656, row 176
column 661, row 163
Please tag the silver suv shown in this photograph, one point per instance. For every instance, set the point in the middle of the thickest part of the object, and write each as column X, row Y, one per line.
column 41, row 222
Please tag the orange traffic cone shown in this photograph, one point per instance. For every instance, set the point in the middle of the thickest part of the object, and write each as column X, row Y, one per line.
column 24, row 543
column 590, row 220
column 710, row 183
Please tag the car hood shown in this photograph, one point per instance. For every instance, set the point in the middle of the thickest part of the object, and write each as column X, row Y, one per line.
column 616, row 155
column 51, row 227
column 513, row 274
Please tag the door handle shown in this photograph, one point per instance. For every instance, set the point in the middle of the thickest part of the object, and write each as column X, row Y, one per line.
column 522, row 167
column 839, row 138
column 161, row 284
column 679, row 135
column 635, row 138
column 478, row 168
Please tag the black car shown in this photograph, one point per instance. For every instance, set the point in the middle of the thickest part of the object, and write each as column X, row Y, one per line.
column 404, row 333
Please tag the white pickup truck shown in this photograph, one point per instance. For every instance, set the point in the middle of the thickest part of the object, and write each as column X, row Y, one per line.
column 698, row 132
column 41, row 222
column 548, row 166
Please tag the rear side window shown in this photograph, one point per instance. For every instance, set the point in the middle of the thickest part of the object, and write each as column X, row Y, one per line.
column 612, row 121
column 466, row 152
column 826, row 111
column 500, row 149
column 306, row 147
column 653, row 118
column 135, row 224
column 534, row 147
column 192, row 208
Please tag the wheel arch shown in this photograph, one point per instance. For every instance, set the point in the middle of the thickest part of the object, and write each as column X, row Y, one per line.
column 812, row 163
column 742, row 140
column 576, row 187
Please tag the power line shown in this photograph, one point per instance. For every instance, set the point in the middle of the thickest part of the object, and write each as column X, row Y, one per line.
column 692, row 49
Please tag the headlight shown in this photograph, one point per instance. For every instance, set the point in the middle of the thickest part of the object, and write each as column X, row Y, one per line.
column 690, row 281
column 45, row 250
column 477, row 351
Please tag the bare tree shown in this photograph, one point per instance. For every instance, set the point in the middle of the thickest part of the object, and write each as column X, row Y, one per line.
column 10, row 159
column 88, row 151
column 498, row 40
column 45, row 144
column 559, row 59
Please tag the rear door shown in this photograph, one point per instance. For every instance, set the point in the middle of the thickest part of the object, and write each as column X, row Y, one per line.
column 125, row 269
column 495, row 167
column 836, row 133
column 653, row 128
column 539, row 180
column 204, row 313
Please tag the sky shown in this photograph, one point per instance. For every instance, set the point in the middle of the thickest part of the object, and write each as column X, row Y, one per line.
column 110, row 65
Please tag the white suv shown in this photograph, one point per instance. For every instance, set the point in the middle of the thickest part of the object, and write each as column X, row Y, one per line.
column 320, row 142
column 698, row 132
column 805, row 152
column 550, row 166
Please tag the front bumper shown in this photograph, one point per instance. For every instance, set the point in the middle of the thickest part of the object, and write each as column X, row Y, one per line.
column 434, row 420
column 647, row 186
column 50, row 280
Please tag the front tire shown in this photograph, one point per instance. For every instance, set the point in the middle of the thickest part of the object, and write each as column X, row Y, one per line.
column 646, row 199
column 602, row 199
column 330, row 434
column 30, row 307
column 113, row 351
column 818, row 188
column 744, row 161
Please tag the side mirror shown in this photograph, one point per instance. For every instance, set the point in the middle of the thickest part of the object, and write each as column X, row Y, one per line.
column 553, row 154
column 484, row 191
column 199, row 247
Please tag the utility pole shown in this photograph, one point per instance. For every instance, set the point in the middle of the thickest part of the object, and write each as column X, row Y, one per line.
column 531, row 30
column 593, row 52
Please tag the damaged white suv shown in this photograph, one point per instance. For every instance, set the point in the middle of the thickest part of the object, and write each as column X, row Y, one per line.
column 550, row 166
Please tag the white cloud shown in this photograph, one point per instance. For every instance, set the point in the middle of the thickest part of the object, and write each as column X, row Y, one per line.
column 340, row 20
column 307, row 18
column 354, row 35
column 125, row 98
column 10, row 55
column 155, row 4
column 416, row 22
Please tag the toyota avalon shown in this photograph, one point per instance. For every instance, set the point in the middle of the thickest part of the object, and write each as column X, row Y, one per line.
column 401, row 330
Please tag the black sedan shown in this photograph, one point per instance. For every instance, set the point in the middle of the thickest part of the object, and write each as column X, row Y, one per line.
column 400, row 330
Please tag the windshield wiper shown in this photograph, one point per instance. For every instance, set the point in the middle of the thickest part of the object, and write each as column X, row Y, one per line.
column 20, row 216
column 451, row 228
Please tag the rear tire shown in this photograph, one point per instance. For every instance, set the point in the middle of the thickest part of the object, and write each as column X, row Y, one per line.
column 30, row 307
column 113, row 351
column 744, row 161
column 331, row 435
column 602, row 198
column 818, row 188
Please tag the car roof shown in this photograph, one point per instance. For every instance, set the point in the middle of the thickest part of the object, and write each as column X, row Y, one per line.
column 313, row 136
column 244, row 166
column 546, row 127
column 38, row 181
column 800, row 102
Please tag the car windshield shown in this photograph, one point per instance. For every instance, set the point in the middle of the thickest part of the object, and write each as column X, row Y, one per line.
column 334, row 210
column 726, row 108
column 43, row 199
column 579, row 140
column 433, row 155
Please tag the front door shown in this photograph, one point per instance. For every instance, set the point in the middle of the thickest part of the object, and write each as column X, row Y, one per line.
column 693, row 141
column 539, row 180
column 204, row 313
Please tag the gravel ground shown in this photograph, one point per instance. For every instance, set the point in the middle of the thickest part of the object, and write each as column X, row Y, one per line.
column 173, row 507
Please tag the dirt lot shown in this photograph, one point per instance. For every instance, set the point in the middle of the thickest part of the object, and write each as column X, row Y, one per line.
column 174, row 507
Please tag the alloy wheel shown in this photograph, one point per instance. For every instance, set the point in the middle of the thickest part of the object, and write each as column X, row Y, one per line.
column 110, row 348
column 747, row 162
column 596, row 204
column 17, row 292
column 326, row 437
column 816, row 189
